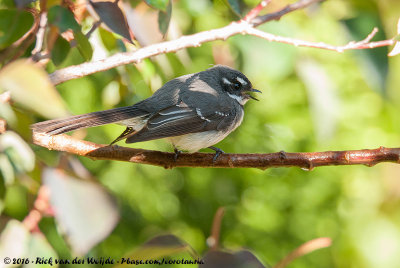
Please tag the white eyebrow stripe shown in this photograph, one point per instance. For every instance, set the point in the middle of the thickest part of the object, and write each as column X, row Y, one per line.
column 226, row 81
column 241, row 81
column 201, row 116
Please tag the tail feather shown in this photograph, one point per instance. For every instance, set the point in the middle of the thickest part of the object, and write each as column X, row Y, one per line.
column 58, row 126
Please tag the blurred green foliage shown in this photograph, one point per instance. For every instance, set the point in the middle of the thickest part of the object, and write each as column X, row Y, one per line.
column 313, row 100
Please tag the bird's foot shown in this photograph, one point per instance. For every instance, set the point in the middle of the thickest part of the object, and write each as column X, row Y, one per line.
column 218, row 152
column 282, row 155
column 177, row 153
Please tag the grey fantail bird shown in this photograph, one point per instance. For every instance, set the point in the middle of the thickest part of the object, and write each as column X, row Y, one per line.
column 193, row 111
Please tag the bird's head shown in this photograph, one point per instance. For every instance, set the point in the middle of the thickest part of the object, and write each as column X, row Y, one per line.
column 235, row 84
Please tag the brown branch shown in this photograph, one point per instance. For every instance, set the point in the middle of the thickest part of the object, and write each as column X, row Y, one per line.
column 195, row 40
column 307, row 161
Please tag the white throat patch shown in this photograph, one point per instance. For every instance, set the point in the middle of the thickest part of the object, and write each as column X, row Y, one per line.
column 237, row 98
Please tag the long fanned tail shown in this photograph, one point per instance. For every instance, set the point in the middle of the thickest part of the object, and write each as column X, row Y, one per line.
column 58, row 126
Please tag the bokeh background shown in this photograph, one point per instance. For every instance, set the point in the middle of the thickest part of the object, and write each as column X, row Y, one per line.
column 313, row 100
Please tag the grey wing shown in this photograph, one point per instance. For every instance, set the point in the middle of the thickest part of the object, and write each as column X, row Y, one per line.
column 176, row 121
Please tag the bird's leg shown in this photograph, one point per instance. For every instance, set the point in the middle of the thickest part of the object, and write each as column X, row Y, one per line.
column 282, row 155
column 177, row 153
column 218, row 152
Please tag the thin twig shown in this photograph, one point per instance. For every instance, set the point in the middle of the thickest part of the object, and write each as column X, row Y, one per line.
column 94, row 27
column 296, row 42
column 255, row 11
column 40, row 33
column 308, row 161
column 41, row 207
column 213, row 240
column 279, row 14
column 195, row 40
column 304, row 249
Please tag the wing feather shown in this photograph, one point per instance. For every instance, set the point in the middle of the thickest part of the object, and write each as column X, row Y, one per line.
column 177, row 121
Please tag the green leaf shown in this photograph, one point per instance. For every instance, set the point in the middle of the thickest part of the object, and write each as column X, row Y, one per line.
column 2, row 187
column 14, row 240
column 17, row 242
column 13, row 25
column 8, row 114
column 60, row 50
column 15, row 201
column 164, row 18
column 158, row 4
column 108, row 39
column 113, row 17
column 7, row 4
column 322, row 97
column 84, row 210
column 7, row 171
column 396, row 49
column 39, row 247
column 63, row 19
column 18, row 151
column 235, row 6
column 33, row 89
column 373, row 62
column 84, row 47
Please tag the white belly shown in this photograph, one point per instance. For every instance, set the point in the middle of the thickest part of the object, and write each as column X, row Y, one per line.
column 196, row 141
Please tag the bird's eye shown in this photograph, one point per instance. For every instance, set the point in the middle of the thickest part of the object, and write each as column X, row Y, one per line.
column 236, row 86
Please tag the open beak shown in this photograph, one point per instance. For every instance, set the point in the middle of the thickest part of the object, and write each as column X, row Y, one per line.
column 253, row 90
